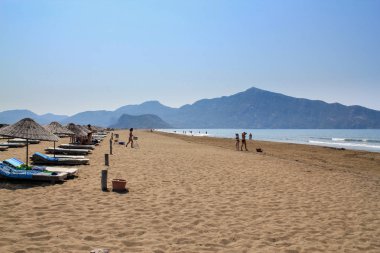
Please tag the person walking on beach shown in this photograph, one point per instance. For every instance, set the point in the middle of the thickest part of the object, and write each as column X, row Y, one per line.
column 130, row 140
column 243, row 141
column 237, row 142
column 250, row 136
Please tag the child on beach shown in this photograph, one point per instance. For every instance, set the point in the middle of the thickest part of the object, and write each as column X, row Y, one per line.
column 130, row 140
column 237, row 142
column 243, row 141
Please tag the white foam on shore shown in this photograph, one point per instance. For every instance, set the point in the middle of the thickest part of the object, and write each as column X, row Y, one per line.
column 345, row 144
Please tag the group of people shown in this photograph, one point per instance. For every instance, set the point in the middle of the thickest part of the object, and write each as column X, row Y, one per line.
column 243, row 141
column 238, row 146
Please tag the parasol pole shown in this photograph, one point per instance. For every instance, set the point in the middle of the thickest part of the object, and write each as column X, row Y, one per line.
column 54, row 148
column 27, row 151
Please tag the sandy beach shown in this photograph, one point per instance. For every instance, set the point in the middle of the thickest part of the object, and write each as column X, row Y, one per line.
column 198, row 194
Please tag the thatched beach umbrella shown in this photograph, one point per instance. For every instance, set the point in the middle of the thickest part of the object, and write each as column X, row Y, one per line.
column 85, row 129
column 28, row 129
column 56, row 128
column 78, row 131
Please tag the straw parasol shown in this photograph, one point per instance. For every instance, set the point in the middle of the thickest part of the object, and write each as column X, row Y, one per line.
column 78, row 131
column 28, row 129
column 85, row 129
column 56, row 128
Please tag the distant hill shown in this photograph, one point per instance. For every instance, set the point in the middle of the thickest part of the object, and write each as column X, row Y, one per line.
column 146, row 121
column 108, row 118
column 12, row 116
column 253, row 108
column 147, row 108
column 256, row 108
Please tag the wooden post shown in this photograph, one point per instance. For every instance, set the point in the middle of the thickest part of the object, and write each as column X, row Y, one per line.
column 104, row 180
column 106, row 160
column 27, row 151
column 110, row 146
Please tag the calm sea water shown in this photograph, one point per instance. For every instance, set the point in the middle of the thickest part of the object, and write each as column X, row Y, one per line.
column 363, row 139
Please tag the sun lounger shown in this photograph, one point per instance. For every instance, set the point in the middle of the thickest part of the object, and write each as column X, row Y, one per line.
column 12, row 145
column 39, row 158
column 77, row 146
column 68, row 156
column 18, row 164
column 71, row 172
column 65, row 151
column 3, row 148
column 19, row 140
column 14, row 162
column 9, row 172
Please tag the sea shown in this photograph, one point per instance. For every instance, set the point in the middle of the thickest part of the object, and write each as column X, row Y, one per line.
column 356, row 139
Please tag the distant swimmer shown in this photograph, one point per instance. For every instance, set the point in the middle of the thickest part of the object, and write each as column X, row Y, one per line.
column 250, row 136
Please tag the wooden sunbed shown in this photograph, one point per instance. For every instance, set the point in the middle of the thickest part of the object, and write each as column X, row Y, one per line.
column 11, row 173
column 19, row 140
column 65, row 151
column 39, row 158
column 12, row 145
column 77, row 146
column 18, row 164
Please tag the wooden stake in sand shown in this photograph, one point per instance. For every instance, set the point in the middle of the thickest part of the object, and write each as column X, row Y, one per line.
column 110, row 146
column 105, row 172
column 104, row 179
column 106, row 160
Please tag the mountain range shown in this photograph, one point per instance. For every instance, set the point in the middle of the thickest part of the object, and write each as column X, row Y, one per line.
column 253, row 108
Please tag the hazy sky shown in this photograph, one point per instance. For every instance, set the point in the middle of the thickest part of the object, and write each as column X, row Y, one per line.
column 70, row 56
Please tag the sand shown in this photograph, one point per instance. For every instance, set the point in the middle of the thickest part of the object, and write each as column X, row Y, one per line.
column 197, row 194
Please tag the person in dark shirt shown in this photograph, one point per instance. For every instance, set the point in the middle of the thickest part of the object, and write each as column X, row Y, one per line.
column 243, row 142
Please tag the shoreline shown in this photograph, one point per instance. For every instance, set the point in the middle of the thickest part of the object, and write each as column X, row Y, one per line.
column 314, row 154
column 351, row 139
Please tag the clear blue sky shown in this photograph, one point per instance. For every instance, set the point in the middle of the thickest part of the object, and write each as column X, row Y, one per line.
column 69, row 56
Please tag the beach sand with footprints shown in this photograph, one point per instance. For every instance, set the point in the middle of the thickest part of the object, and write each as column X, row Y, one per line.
column 198, row 194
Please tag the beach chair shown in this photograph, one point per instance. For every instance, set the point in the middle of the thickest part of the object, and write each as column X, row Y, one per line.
column 9, row 172
column 14, row 162
column 39, row 158
column 23, row 141
column 18, row 164
column 77, row 146
column 12, row 145
column 67, row 151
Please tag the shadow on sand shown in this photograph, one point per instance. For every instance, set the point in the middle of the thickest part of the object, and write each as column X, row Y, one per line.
column 14, row 184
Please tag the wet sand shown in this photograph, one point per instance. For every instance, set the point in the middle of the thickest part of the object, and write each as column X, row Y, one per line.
column 197, row 194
